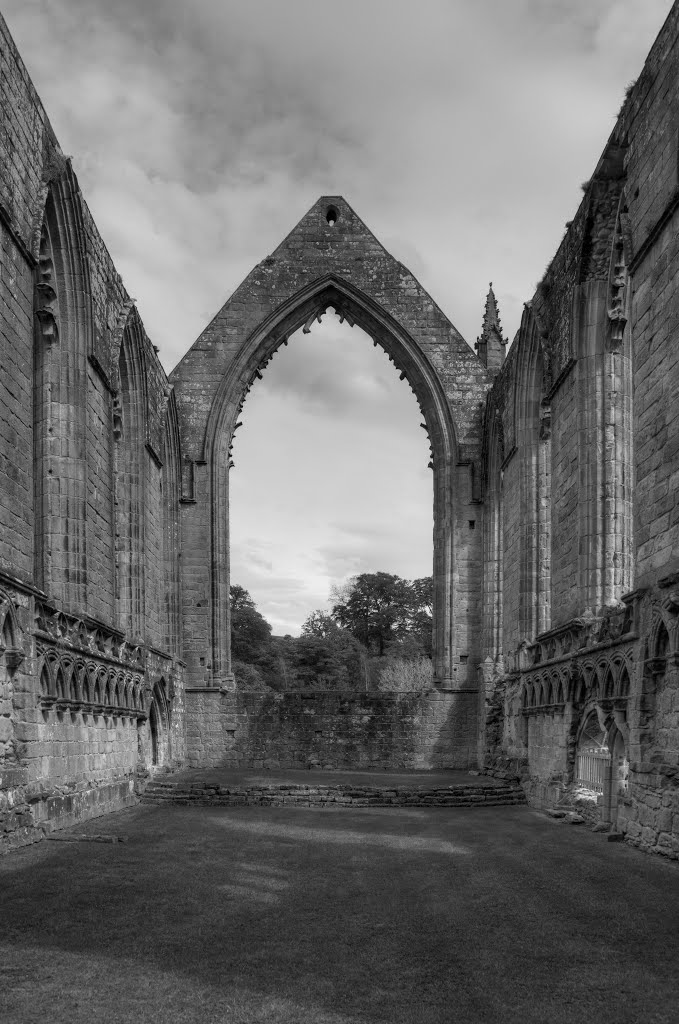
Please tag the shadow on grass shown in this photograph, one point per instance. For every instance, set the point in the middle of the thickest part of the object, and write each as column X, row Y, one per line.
column 295, row 916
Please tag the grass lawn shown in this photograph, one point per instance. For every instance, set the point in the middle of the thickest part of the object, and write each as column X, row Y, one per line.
column 334, row 917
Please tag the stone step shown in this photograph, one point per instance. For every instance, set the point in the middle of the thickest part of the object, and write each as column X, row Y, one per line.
column 301, row 795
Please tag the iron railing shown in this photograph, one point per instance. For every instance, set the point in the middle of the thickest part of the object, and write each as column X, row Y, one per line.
column 591, row 769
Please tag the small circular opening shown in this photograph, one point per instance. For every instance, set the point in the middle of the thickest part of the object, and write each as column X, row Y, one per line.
column 331, row 216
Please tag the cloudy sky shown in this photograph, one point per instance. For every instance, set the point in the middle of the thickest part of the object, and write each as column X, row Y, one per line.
column 201, row 132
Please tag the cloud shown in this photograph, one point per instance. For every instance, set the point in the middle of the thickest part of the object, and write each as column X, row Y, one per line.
column 202, row 132
column 335, row 371
column 465, row 133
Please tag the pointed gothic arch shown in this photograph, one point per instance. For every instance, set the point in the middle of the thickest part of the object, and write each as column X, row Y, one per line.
column 63, row 339
column 532, row 419
column 493, row 534
column 171, row 494
column 129, row 417
column 337, row 265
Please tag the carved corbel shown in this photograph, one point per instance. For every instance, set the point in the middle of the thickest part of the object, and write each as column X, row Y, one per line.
column 117, row 418
column 45, row 292
column 617, row 314
column 48, row 324
column 618, row 321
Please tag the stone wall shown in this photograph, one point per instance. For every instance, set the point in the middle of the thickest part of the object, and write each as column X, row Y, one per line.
column 346, row 730
column 593, row 373
column 82, row 678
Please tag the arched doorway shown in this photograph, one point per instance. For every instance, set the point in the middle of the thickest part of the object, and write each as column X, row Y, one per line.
column 332, row 262
column 593, row 759
column 154, row 729
column 616, row 781
column 154, row 744
column 602, row 764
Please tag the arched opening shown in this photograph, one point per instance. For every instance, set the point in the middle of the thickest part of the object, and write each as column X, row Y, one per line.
column 154, row 730
column 450, row 636
column 62, row 342
column 532, row 593
column 493, row 545
column 128, row 458
column 342, row 266
column 662, row 642
column 660, row 707
column 617, row 775
column 593, row 759
column 331, row 444
column 170, row 497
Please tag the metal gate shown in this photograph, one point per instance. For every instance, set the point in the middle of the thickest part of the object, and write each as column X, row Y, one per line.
column 591, row 769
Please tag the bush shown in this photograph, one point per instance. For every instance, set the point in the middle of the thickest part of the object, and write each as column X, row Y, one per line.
column 403, row 675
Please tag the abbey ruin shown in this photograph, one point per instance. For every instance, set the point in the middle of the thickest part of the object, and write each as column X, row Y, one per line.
column 556, row 519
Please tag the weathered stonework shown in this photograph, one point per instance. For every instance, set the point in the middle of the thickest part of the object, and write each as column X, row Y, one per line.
column 91, row 678
column 331, row 259
column 340, row 730
column 556, row 622
column 582, row 521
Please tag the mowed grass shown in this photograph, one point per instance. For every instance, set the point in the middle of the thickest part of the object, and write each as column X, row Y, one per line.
column 334, row 917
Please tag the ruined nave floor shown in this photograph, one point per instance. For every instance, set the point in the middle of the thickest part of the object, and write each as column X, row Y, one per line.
column 300, row 916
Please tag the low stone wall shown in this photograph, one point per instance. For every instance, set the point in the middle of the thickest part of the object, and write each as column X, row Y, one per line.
column 649, row 815
column 480, row 793
column 321, row 729
column 30, row 809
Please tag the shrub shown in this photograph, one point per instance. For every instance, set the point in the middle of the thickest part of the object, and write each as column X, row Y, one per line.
column 403, row 675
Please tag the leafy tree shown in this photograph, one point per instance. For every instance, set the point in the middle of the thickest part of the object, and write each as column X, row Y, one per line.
column 385, row 612
column 319, row 624
column 240, row 598
column 420, row 628
column 250, row 632
column 423, row 594
column 375, row 608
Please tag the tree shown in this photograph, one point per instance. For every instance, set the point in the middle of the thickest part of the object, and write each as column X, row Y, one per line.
column 384, row 612
column 320, row 624
column 329, row 654
column 250, row 632
column 420, row 628
column 240, row 598
column 375, row 608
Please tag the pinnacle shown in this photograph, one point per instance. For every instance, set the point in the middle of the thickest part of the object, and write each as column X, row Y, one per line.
column 491, row 317
column 491, row 345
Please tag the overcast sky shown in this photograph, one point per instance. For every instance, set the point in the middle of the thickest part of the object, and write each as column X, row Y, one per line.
column 202, row 130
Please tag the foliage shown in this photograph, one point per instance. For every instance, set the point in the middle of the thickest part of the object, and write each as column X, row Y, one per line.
column 320, row 624
column 376, row 613
column 248, row 677
column 250, row 632
column 380, row 610
column 323, row 657
column 403, row 675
